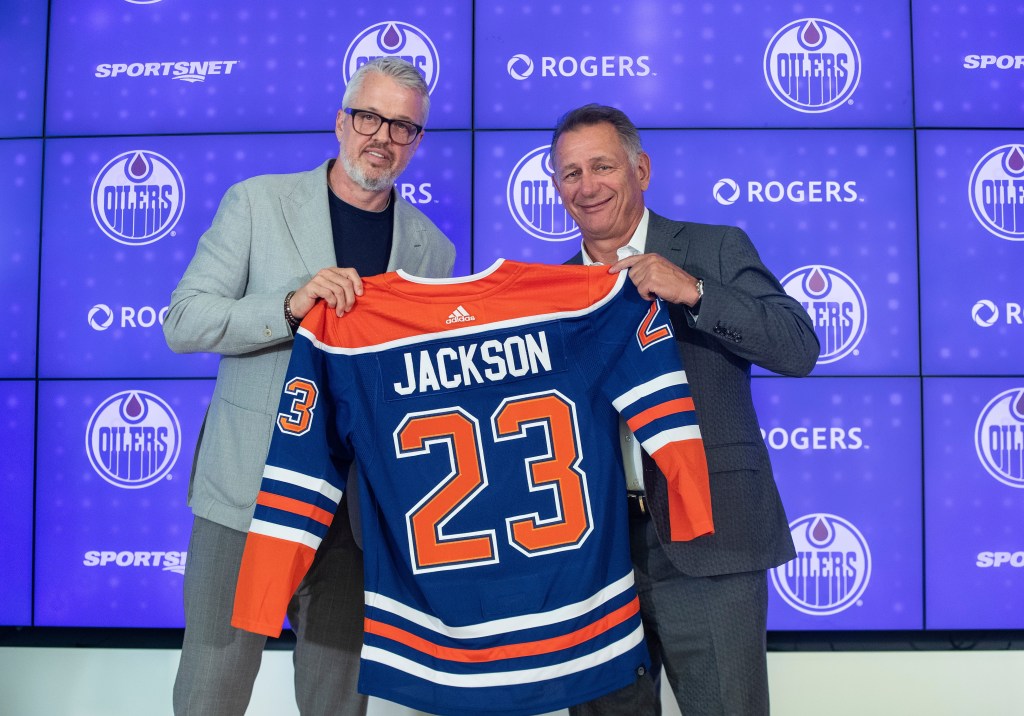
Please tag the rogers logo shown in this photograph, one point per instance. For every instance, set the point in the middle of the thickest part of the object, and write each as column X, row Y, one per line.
column 726, row 192
column 819, row 191
column 101, row 316
column 821, row 438
column 520, row 67
column 986, row 313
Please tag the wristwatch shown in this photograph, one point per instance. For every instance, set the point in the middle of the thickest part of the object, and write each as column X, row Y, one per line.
column 700, row 292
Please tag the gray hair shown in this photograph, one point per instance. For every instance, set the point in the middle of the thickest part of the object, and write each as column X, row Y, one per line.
column 590, row 114
column 399, row 70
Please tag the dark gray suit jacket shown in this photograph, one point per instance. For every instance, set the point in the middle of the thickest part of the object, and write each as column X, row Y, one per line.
column 745, row 317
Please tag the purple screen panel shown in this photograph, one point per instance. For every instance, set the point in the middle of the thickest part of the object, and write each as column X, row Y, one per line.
column 22, row 73
column 112, row 525
column 831, row 214
column 20, row 179
column 18, row 401
column 971, row 204
column 974, row 499
column 232, row 66
column 112, row 255
column 517, row 213
column 968, row 64
column 846, row 459
column 671, row 64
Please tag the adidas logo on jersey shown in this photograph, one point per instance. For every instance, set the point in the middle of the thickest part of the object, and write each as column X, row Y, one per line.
column 460, row 315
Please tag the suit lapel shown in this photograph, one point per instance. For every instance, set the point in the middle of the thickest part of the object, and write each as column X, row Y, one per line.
column 407, row 248
column 308, row 216
column 668, row 238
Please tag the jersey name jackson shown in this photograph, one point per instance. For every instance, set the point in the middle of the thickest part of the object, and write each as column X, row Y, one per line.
column 495, row 535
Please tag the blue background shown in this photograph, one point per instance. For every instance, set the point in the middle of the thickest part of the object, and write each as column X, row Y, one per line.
column 906, row 141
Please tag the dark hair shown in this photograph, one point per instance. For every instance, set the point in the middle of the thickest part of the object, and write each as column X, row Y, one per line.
column 590, row 114
column 399, row 70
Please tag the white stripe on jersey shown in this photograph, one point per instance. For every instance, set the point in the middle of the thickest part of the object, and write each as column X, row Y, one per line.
column 505, row 678
column 291, row 534
column 500, row 626
column 652, row 386
column 656, row 442
column 316, row 484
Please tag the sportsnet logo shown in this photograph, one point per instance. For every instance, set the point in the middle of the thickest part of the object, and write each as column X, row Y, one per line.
column 132, row 439
column 167, row 561
column 999, row 437
column 836, row 307
column 190, row 71
column 831, row 569
column 812, row 65
column 460, row 315
column 138, row 197
column 394, row 39
column 533, row 201
column 996, row 191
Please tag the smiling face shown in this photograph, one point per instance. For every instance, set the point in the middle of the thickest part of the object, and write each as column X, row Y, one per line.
column 373, row 163
column 599, row 186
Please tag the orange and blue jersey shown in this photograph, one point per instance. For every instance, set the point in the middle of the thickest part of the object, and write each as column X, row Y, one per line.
column 482, row 413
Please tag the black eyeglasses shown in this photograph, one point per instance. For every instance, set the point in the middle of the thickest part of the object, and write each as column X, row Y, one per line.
column 367, row 123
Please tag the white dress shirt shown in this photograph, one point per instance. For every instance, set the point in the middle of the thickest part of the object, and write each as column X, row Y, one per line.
column 629, row 445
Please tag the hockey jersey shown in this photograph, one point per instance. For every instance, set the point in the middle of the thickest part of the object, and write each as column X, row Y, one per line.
column 482, row 413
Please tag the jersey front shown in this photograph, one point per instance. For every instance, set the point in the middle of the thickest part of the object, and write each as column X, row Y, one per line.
column 482, row 413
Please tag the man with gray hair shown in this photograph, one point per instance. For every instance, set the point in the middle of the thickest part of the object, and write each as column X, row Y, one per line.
column 704, row 603
column 277, row 245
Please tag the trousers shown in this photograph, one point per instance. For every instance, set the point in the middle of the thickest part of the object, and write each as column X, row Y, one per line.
column 219, row 663
column 708, row 635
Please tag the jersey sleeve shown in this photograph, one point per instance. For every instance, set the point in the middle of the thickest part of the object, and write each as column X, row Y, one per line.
column 649, row 388
column 303, row 481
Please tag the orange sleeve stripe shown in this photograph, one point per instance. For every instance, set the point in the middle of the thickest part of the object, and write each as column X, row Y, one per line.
column 270, row 573
column 679, row 405
column 296, row 507
column 509, row 651
column 689, row 494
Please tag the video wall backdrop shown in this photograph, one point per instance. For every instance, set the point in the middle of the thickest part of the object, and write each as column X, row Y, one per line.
column 874, row 151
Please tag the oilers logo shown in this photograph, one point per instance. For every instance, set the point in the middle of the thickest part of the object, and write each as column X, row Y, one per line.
column 138, row 197
column 997, row 191
column 133, row 439
column 394, row 39
column 836, row 307
column 831, row 569
column 812, row 65
column 533, row 201
column 999, row 437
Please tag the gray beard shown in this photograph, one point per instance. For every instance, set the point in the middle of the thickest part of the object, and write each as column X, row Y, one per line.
column 356, row 174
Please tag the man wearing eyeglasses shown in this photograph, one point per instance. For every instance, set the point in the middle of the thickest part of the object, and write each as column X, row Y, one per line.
column 277, row 245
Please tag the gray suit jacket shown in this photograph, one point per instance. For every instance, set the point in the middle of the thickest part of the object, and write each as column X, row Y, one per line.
column 745, row 317
column 270, row 235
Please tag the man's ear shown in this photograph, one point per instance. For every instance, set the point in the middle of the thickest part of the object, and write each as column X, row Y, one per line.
column 643, row 170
